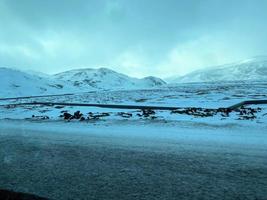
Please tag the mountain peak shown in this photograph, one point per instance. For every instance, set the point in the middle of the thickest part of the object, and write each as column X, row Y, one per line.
column 250, row 69
column 17, row 83
column 105, row 78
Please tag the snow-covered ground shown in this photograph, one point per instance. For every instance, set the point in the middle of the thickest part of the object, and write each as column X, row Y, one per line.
column 206, row 95
column 129, row 154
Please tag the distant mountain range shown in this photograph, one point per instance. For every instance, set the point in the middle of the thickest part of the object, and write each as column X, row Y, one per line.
column 251, row 69
column 19, row 83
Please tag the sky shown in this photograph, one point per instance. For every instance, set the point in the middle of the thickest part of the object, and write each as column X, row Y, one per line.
column 137, row 37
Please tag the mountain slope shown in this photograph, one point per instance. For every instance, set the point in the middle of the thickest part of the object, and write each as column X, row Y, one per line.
column 18, row 83
column 251, row 69
column 104, row 78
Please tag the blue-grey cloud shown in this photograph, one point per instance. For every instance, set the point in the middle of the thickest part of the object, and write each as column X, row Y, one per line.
column 141, row 37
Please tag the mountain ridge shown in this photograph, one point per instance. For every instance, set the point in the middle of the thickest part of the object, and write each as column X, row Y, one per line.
column 99, row 78
column 15, row 82
column 249, row 69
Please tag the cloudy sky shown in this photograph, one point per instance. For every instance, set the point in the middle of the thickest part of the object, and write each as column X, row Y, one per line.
column 136, row 37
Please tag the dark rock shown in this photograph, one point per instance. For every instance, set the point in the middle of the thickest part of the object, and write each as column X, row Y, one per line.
column 77, row 115
column 40, row 117
column 96, row 116
column 147, row 112
column 140, row 100
column 67, row 116
column 125, row 115
column 63, row 111
column 59, row 107
column 153, row 117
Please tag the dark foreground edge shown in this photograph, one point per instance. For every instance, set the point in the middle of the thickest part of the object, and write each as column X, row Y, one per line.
column 10, row 195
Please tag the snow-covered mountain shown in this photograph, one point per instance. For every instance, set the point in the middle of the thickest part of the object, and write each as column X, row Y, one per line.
column 18, row 83
column 104, row 78
column 251, row 69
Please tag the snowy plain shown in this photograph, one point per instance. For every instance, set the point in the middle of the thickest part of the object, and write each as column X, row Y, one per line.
column 162, row 156
column 199, row 95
